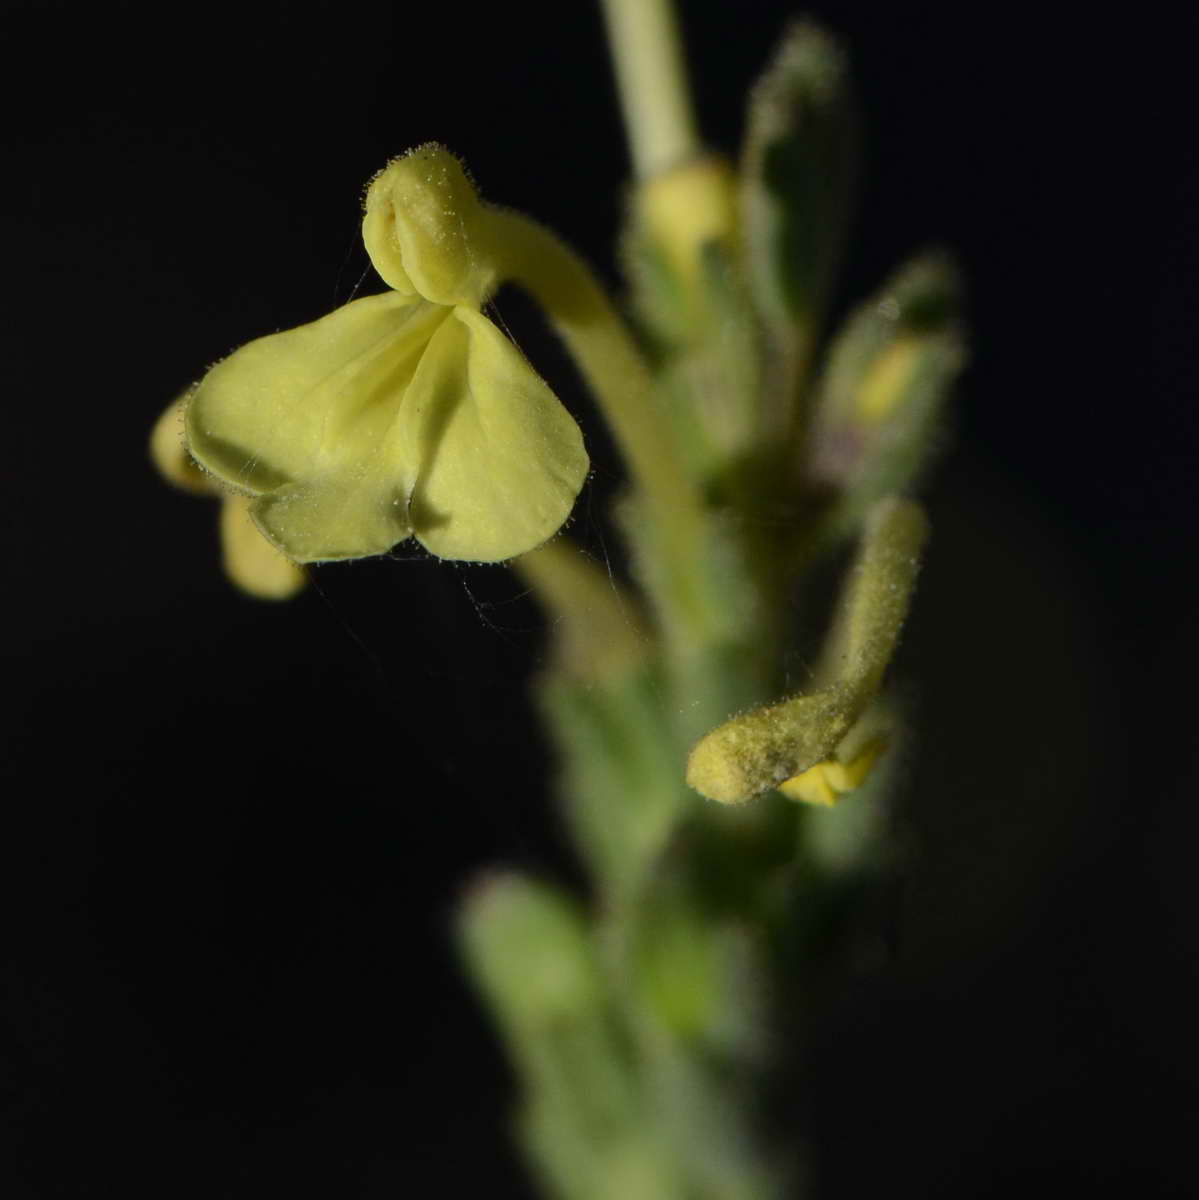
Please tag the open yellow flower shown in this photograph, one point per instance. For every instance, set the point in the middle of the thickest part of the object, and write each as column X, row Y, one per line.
column 398, row 415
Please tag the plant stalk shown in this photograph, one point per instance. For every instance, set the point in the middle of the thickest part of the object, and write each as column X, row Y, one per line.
column 651, row 77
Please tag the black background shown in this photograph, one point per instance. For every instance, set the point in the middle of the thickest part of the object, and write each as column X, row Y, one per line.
column 233, row 834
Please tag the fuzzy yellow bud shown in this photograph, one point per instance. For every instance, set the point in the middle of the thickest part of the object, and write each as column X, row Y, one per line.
column 756, row 751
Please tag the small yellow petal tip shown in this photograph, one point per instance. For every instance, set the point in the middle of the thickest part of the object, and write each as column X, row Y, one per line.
column 826, row 782
column 759, row 750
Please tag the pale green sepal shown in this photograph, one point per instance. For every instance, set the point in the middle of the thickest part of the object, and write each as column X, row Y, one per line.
column 656, row 293
column 698, row 976
column 627, row 1163
column 709, row 385
column 798, row 173
column 305, row 420
column 675, row 218
column 602, row 697
column 501, row 461
column 529, row 949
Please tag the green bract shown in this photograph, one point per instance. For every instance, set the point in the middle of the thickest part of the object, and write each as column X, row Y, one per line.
column 404, row 414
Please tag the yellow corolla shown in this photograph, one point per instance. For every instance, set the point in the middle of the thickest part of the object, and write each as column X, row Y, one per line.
column 794, row 743
column 828, row 781
column 407, row 414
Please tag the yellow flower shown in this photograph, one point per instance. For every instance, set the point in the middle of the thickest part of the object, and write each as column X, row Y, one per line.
column 403, row 414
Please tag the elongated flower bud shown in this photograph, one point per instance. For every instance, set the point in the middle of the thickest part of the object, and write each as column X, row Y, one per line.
column 759, row 750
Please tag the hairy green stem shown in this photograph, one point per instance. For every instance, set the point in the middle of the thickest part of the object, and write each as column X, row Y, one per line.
column 604, row 350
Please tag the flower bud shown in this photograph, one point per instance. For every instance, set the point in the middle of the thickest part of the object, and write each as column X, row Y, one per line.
column 828, row 781
column 798, row 178
column 758, row 750
column 685, row 209
column 879, row 402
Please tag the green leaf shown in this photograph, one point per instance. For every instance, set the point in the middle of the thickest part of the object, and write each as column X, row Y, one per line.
column 622, row 790
column 880, row 398
column 798, row 175
column 528, row 948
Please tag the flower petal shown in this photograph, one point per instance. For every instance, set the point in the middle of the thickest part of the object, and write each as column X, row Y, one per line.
column 251, row 561
column 305, row 420
column 169, row 454
column 501, row 461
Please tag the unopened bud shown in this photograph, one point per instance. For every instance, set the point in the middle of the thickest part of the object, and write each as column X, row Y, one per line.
column 686, row 208
column 756, row 751
column 882, row 391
